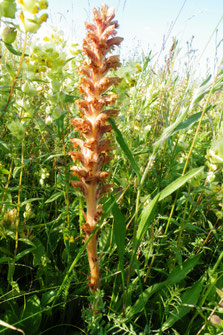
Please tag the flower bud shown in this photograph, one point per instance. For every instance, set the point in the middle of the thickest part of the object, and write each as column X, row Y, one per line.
column 9, row 35
column 216, row 321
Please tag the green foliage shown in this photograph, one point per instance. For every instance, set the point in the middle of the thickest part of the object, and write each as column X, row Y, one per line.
column 160, row 241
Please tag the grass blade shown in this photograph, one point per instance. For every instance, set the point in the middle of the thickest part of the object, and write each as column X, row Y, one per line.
column 178, row 274
column 119, row 232
column 188, row 301
column 176, row 184
column 147, row 217
column 125, row 148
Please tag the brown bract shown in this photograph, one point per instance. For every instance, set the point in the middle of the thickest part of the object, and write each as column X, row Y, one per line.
column 92, row 151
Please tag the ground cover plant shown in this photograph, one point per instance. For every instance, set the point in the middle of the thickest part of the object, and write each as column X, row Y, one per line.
column 160, row 232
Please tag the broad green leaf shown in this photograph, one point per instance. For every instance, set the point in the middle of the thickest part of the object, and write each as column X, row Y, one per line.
column 147, row 217
column 30, row 200
column 4, row 146
column 12, row 50
column 38, row 251
column 48, row 297
column 16, row 170
column 189, row 122
column 54, row 197
column 188, row 301
column 7, row 9
column 169, row 130
column 119, row 232
column 5, row 260
column 23, row 253
column 69, row 98
column 107, row 206
column 32, row 315
column 60, row 124
column 176, row 184
column 125, row 147
column 26, row 241
column 3, row 170
column 53, row 156
column 178, row 274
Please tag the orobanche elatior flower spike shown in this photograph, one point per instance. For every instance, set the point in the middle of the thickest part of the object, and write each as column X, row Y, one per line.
column 92, row 151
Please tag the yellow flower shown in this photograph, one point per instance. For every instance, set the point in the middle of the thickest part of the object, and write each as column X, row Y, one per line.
column 30, row 22
column 43, row 4
column 43, row 18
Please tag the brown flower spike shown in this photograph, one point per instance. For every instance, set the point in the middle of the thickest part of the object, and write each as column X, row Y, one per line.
column 92, row 151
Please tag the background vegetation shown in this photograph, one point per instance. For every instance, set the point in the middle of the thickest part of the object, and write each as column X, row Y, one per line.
column 160, row 244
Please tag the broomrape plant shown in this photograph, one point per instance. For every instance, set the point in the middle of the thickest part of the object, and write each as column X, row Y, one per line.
column 93, row 150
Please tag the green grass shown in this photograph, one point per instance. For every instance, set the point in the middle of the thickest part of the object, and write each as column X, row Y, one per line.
column 160, row 244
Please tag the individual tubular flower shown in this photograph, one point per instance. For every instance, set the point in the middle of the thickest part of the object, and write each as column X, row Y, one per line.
column 92, row 151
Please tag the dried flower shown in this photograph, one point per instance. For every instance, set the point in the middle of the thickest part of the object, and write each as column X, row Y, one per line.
column 92, row 151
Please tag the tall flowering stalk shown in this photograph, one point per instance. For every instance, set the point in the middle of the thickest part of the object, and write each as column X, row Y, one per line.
column 92, row 151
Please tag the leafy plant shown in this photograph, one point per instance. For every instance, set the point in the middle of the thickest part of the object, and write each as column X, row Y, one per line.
column 159, row 239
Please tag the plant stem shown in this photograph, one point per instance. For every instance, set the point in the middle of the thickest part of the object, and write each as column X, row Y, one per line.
column 66, row 182
column 91, row 202
column 18, row 212
column 192, row 146
column 7, row 184
column 17, row 75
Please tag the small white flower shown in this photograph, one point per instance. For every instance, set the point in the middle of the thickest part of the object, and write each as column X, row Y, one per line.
column 210, row 176
column 48, row 120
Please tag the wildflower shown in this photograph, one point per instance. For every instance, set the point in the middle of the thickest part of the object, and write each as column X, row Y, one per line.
column 216, row 321
column 28, row 214
column 43, row 175
column 17, row 129
column 32, row 6
column 92, row 151
column 48, row 120
column 30, row 22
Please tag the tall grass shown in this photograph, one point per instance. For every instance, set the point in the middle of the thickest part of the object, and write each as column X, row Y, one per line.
column 160, row 242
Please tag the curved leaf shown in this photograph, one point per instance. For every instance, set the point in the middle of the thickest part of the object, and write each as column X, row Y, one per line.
column 176, row 184
column 125, row 147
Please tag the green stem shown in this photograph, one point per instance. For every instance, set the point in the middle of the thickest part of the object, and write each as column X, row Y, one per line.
column 7, row 184
column 18, row 212
column 210, row 285
column 66, row 183
column 17, row 75
column 192, row 147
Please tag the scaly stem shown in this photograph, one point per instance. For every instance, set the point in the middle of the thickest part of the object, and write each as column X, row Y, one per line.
column 93, row 150
column 92, row 245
